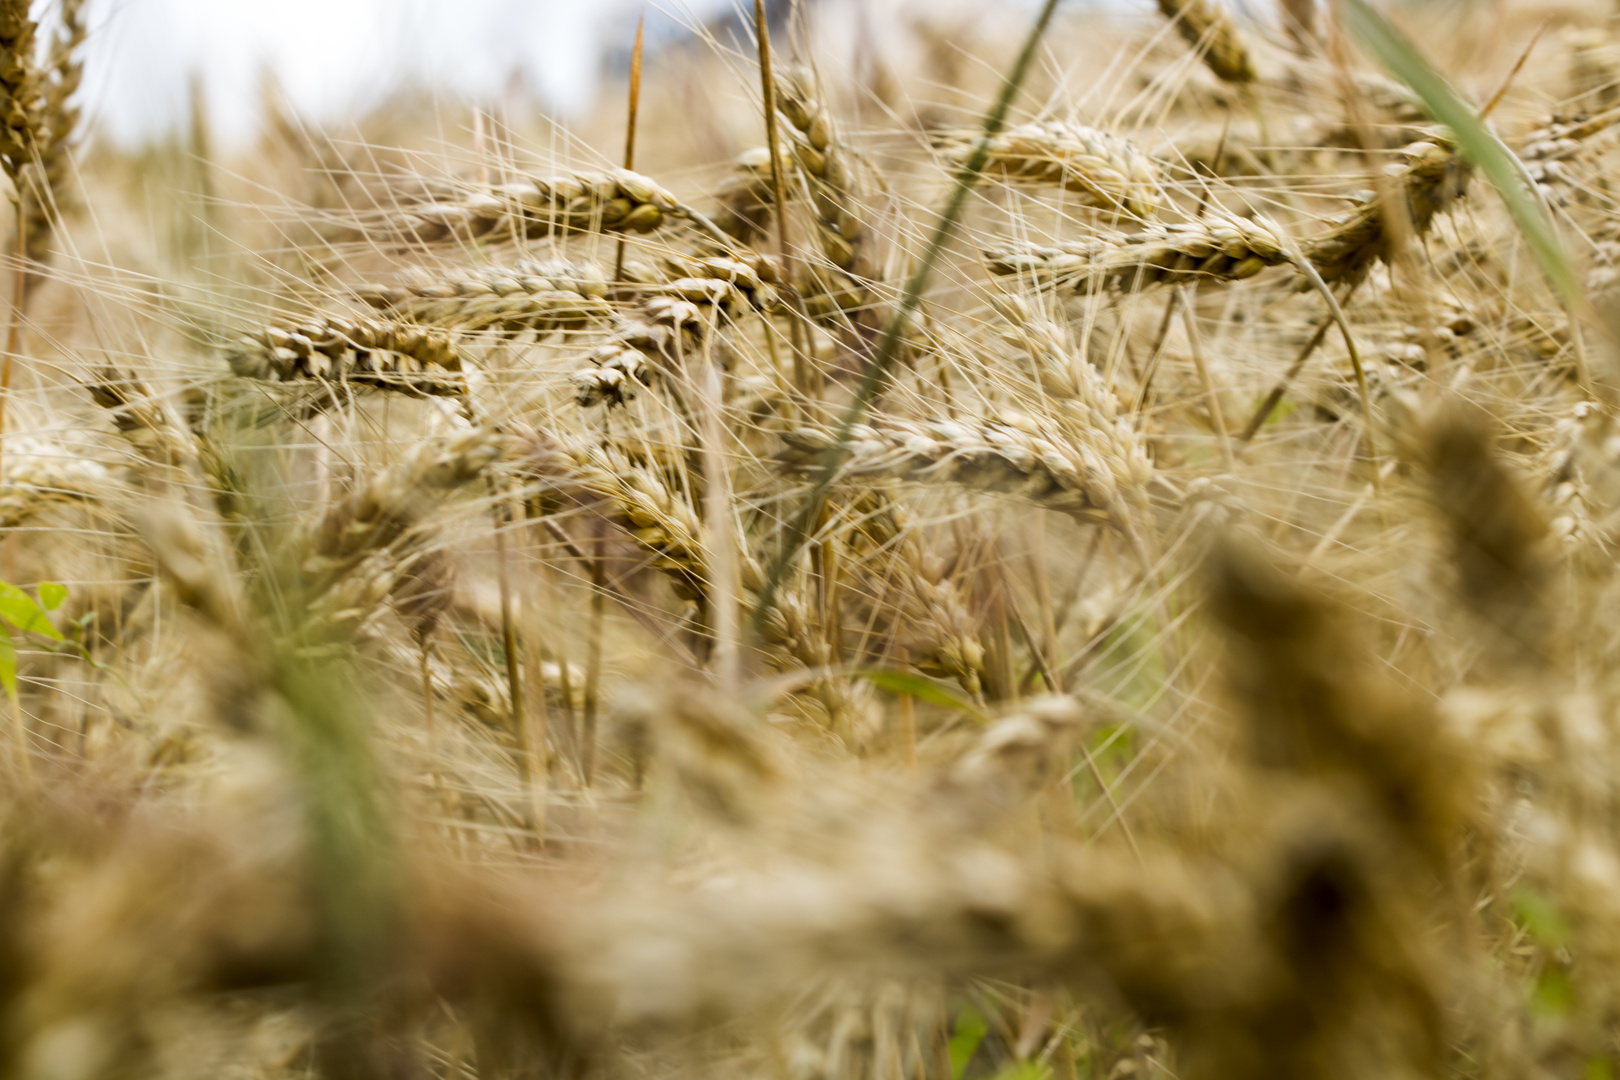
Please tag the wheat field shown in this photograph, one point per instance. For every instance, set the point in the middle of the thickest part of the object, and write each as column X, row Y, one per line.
column 913, row 546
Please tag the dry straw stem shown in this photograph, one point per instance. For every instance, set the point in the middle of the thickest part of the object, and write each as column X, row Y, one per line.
column 631, row 123
column 1208, row 27
column 1105, row 170
column 332, row 348
column 1216, row 248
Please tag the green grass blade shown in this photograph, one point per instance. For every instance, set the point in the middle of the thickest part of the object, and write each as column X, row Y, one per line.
column 8, row 664
column 971, row 1028
column 1380, row 37
column 22, row 611
column 52, row 595
column 922, row 688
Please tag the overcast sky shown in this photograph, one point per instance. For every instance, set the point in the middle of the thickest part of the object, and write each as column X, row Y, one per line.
column 335, row 55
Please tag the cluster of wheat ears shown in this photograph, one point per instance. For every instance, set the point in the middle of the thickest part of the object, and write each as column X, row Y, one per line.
column 1075, row 556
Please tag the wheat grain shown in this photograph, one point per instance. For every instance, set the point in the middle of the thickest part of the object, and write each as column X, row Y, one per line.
column 941, row 633
column 1430, row 178
column 1207, row 26
column 528, row 296
column 39, row 473
column 50, row 176
column 330, row 348
column 1042, row 467
column 541, row 206
column 21, row 92
column 1217, row 248
column 1105, row 170
column 831, row 168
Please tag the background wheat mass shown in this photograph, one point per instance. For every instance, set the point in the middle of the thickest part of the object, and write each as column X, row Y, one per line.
column 904, row 542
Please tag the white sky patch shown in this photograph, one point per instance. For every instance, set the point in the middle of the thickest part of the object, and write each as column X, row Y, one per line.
column 336, row 56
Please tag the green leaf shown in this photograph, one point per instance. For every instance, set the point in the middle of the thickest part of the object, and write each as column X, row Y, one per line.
column 1380, row 37
column 922, row 688
column 52, row 595
column 1554, row 994
column 8, row 664
column 20, row 610
column 969, row 1032
column 1541, row 920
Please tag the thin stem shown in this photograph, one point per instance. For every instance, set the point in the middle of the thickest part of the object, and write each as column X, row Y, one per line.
column 717, row 511
column 1337, row 314
column 1215, row 412
column 888, row 347
column 593, row 655
column 428, row 719
column 1152, row 365
column 767, row 78
column 538, row 739
column 630, row 126
column 514, row 667
column 1273, row 399
column 908, row 713
column 14, row 329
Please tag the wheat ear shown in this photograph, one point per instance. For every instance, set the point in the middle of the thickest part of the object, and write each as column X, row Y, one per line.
column 1207, row 25
column 1103, row 169
column 1217, row 248
column 330, row 348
